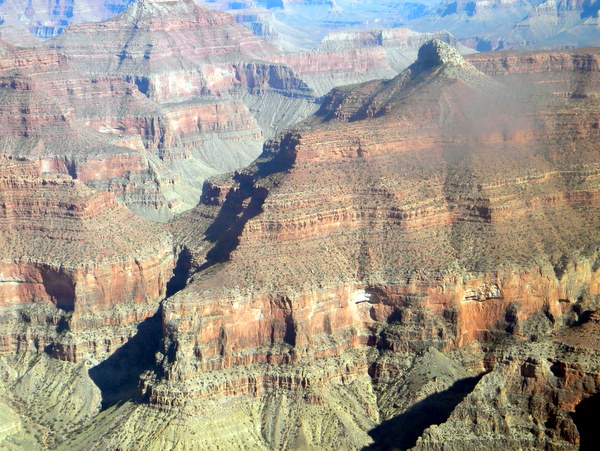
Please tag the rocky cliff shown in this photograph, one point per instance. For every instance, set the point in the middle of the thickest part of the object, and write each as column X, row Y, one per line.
column 181, row 94
column 74, row 262
column 417, row 248
column 215, row 95
column 418, row 245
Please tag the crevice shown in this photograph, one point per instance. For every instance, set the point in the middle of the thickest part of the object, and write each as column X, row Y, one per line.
column 181, row 273
column 71, row 168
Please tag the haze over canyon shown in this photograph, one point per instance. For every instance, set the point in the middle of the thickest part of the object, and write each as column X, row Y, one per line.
column 322, row 224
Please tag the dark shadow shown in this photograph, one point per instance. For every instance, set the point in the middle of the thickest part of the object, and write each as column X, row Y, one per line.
column 585, row 418
column 246, row 199
column 181, row 273
column 402, row 431
column 290, row 331
column 60, row 287
column 240, row 206
column 142, row 83
column 278, row 155
column 118, row 376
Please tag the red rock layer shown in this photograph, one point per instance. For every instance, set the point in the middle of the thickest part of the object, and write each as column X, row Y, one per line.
column 406, row 214
column 174, row 76
column 65, row 246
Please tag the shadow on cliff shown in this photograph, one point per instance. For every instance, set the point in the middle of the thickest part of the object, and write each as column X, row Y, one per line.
column 585, row 418
column 181, row 273
column 402, row 431
column 240, row 206
column 244, row 202
column 118, row 376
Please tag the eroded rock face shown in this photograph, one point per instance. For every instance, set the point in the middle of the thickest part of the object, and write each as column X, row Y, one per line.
column 210, row 97
column 532, row 397
column 74, row 261
column 380, row 257
column 148, row 125
column 406, row 216
column 149, row 104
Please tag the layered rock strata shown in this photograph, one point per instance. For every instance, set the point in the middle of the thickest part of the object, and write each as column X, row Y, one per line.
column 435, row 211
column 416, row 243
column 213, row 81
column 74, row 262
column 169, row 93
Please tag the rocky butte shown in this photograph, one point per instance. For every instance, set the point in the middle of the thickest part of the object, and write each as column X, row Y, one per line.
column 415, row 265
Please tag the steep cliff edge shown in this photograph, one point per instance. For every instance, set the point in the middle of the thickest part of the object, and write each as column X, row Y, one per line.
column 79, row 272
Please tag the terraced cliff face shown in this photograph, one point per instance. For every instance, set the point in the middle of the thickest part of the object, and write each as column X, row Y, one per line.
column 149, row 104
column 74, row 262
column 94, row 128
column 364, row 272
column 217, row 96
column 368, row 269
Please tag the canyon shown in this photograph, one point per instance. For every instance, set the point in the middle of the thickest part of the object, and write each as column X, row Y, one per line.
column 386, row 242
column 385, row 280
column 186, row 95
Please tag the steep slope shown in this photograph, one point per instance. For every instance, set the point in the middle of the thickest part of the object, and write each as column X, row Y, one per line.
column 539, row 394
column 438, row 211
column 213, row 95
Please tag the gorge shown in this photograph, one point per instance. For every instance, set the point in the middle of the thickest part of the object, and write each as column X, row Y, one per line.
column 211, row 243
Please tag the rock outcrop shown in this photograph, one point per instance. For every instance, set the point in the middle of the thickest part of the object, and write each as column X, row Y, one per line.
column 74, row 262
column 437, row 212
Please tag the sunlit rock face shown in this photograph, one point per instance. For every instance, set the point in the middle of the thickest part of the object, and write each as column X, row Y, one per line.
column 188, row 95
column 411, row 235
column 437, row 212
column 149, row 104
column 74, row 260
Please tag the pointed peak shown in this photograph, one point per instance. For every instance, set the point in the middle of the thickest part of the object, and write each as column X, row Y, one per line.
column 437, row 53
